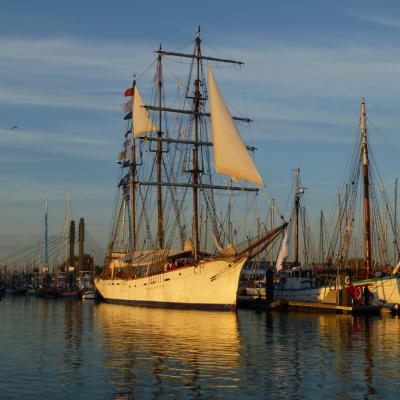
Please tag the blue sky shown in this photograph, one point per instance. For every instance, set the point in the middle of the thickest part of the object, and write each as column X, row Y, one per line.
column 64, row 66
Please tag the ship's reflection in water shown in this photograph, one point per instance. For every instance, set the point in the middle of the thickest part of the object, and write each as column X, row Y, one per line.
column 61, row 350
column 158, row 353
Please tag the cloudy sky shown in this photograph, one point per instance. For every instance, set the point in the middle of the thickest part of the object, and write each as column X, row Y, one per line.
column 64, row 66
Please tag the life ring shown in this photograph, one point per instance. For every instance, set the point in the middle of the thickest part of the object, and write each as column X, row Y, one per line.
column 347, row 280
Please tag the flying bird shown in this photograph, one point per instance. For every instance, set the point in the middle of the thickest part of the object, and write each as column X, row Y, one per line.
column 14, row 127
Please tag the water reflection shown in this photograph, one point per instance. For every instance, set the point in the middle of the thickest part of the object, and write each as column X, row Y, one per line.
column 330, row 355
column 160, row 352
column 156, row 353
column 62, row 350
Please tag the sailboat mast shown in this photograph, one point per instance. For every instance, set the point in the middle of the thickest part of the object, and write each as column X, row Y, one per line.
column 297, row 207
column 395, row 251
column 272, row 227
column 321, row 238
column 133, row 185
column 46, row 235
column 160, row 234
column 364, row 154
column 195, row 173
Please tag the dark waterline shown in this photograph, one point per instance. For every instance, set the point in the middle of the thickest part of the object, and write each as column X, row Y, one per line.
column 57, row 349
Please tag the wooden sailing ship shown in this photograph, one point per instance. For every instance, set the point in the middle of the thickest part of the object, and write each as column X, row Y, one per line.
column 338, row 274
column 384, row 288
column 169, row 244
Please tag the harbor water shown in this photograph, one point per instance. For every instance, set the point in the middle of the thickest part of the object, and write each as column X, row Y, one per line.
column 60, row 349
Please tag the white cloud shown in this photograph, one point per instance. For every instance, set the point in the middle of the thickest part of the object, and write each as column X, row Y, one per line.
column 57, row 98
column 87, row 56
column 283, row 82
column 378, row 20
column 58, row 143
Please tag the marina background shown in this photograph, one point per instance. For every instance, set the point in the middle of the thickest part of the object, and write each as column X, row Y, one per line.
column 65, row 66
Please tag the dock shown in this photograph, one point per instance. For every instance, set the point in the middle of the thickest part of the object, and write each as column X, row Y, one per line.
column 311, row 306
column 314, row 306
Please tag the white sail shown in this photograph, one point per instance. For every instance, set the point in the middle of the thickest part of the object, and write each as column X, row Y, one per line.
column 230, row 153
column 142, row 122
column 283, row 251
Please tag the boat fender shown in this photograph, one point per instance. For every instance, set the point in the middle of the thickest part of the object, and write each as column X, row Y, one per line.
column 347, row 280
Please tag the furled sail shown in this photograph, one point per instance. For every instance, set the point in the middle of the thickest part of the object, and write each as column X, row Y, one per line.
column 283, row 251
column 142, row 122
column 231, row 156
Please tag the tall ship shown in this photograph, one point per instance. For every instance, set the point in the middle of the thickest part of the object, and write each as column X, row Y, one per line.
column 184, row 220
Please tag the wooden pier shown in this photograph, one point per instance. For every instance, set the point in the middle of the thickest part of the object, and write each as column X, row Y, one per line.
column 315, row 306
column 331, row 308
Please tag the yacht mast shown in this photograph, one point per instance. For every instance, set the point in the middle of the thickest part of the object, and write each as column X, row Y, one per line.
column 272, row 251
column 297, row 207
column 395, row 251
column 46, row 235
column 367, row 222
column 321, row 238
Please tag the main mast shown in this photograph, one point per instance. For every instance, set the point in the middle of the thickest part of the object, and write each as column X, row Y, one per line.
column 133, row 184
column 160, row 233
column 365, row 162
column 197, row 113
column 195, row 171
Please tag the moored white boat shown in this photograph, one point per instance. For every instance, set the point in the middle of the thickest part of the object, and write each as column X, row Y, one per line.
column 385, row 289
column 211, row 284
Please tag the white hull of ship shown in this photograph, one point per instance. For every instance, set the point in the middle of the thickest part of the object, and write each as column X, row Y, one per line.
column 385, row 289
column 210, row 284
column 314, row 294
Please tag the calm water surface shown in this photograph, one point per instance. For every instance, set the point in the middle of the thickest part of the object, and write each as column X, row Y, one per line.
column 57, row 349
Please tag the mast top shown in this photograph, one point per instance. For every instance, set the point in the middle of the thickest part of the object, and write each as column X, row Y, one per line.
column 364, row 149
